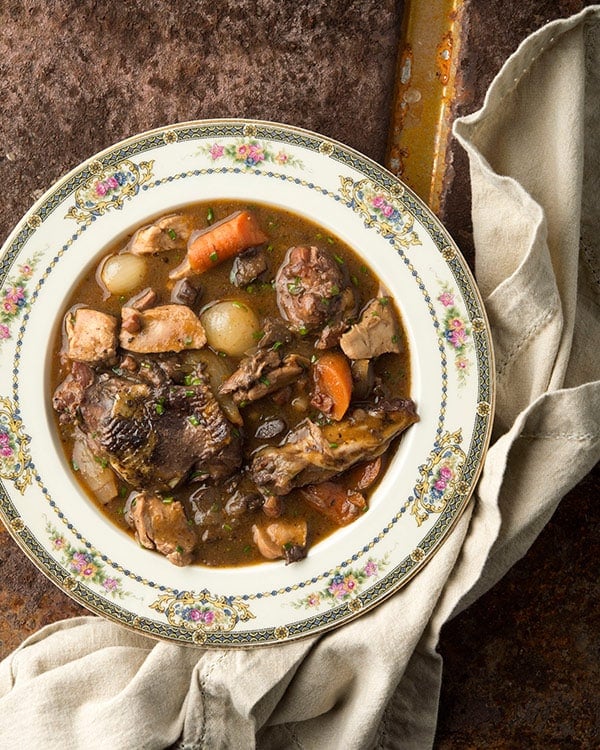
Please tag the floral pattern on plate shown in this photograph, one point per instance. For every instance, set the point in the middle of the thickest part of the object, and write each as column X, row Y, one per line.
column 83, row 564
column 344, row 585
column 250, row 152
column 14, row 299
column 108, row 187
column 457, row 331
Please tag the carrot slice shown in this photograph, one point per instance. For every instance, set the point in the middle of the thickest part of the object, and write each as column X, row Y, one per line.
column 336, row 503
column 333, row 384
column 228, row 237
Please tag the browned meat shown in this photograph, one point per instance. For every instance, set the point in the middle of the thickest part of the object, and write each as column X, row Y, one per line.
column 249, row 266
column 312, row 291
column 155, row 433
column 185, row 293
column 167, row 328
column 168, row 233
column 160, row 523
column 338, row 323
column 262, row 373
column 313, row 454
column 274, row 333
column 145, row 299
column 69, row 393
column 91, row 335
column 281, row 538
column 374, row 334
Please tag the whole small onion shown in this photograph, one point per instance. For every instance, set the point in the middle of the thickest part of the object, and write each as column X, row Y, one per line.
column 231, row 327
column 123, row 273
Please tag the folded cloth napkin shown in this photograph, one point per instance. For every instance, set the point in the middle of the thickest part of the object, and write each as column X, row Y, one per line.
column 375, row 682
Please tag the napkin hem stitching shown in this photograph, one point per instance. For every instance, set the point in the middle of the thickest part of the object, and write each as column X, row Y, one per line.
column 512, row 354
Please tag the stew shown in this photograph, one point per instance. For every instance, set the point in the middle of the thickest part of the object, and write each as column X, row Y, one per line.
column 229, row 384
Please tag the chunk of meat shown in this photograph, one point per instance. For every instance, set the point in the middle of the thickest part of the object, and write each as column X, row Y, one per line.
column 274, row 333
column 249, row 266
column 94, row 469
column 68, row 395
column 280, row 537
column 170, row 232
column 261, row 373
column 374, row 334
column 185, row 293
column 91, row 335
column 340, row 505
column 145, row 299
column 155, row 434
column 160, row 523
column 167, row 328
column 314, row 454
column 312, row 291
column 226, row 238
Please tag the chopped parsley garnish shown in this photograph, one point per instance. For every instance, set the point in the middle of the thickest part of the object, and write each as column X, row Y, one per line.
column 214, row 257
column 192, row 380
column 210, row 216
column 265, row 380
column 159, row 408
column 188, row 340
column 295, row 287
column 168, row 500
column 227, row 527
column 384, row 301
column 303, row 331
column 102, row 461
column 193, row 420
column 172, row 234
column 339, row 259
column 333, row 446
column 75, row 465
column 239, row 305
column 277, row 345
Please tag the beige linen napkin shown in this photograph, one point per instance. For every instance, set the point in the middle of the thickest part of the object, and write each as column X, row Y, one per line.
column 375, row 682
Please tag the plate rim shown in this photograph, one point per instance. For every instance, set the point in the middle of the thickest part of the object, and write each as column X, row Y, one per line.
column 243, row 123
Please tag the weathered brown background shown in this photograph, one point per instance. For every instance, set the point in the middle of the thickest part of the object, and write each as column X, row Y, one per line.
column 521, row 665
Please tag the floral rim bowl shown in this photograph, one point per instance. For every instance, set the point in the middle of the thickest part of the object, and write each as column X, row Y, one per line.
column 431, row 477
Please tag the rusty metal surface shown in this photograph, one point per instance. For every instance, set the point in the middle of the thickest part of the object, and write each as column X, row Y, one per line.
column 424, row 91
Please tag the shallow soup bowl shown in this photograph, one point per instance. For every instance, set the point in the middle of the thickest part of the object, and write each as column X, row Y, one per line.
column 428, row 481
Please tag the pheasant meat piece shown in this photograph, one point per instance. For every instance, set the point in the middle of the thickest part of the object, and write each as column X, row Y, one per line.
column 261, row 373
column 171, row 232
column 374, row 334
column 313, row 454
column 154, row 435
column 167, row 328
column 313, row 293
column 160, row 523
column 91, row 335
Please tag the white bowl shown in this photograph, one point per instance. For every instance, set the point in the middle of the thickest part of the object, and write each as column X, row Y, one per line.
column 415, row 506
